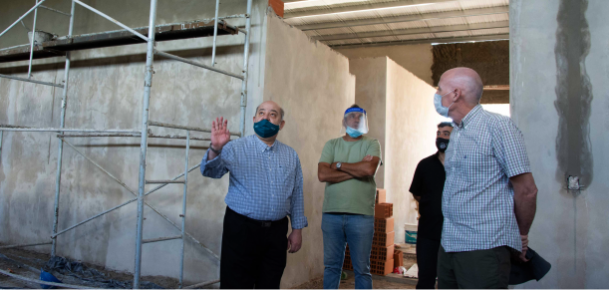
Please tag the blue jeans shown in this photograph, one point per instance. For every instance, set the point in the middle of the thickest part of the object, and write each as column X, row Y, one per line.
column 357, row 230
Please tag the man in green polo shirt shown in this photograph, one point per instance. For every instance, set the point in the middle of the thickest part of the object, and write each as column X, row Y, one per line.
column 348, row 166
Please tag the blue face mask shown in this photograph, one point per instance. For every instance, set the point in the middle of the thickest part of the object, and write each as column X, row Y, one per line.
column 438, row 105
column 265, row 129
column 352, row 132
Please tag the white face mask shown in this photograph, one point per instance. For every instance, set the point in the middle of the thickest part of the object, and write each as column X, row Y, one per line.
column 438, row 105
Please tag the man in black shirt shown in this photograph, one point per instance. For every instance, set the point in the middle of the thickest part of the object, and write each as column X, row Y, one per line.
column 427, row 188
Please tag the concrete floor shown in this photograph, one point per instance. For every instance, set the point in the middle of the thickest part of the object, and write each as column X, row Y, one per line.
column 377, row 285
column 391, row 281
column 37, row 260
column 24, row 263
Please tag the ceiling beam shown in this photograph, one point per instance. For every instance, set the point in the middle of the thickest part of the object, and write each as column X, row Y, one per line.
column 413, row 31
column 491, row 37
column 405, row 18
column 358, row 6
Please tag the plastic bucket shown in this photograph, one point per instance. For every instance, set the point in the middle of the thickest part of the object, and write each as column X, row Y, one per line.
column 410, row 233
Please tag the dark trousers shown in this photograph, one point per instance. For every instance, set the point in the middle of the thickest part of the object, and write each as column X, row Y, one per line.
column 480, row 269
column 427, row 258
column 253, row 253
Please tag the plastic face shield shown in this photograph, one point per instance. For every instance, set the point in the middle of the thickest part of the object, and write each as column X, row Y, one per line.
column 355, row 118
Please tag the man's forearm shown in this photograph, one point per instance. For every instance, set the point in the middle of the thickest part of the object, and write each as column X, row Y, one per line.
column 359, row 169
column 334, row 176
column 525, row 201
column 525, row 210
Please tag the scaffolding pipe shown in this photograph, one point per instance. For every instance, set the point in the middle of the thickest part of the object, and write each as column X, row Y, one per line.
column 100, row 168
column 183, row 215
column 184, row 60
column 129, row 189
column 163, row 181
column 31, row 81
column 10, row 128
column 215, row 35
column 32, row 42
column 22, row 16
column 144, row 141
column 40, row 282
column 1, row 136
column 54, row 10
column 161, row 239
column 173, row 137
column 119, row 206
column 97, row 135
column 244, row 83
column 152, row 208
column 25, row 245
column 118, row 23
column 186, row 128
column 60, row 147
column 172, row 126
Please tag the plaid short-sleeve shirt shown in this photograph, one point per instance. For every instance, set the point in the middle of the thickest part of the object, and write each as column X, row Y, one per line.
column 486, row 149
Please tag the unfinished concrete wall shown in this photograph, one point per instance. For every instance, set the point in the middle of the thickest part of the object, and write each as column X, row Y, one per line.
column 559, row 100
column 311, row 81
column 313, row 85
column 410, row 135
column 416, row 58
column 106, row 92
column 371, row 90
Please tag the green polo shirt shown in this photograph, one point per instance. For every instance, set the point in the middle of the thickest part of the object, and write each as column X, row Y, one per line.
column 355, row 196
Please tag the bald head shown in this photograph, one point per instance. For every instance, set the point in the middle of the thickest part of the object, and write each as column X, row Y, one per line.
column 269, row 109
column 464, row 79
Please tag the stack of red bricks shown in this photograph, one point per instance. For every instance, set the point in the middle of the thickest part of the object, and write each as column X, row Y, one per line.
column 382, row 253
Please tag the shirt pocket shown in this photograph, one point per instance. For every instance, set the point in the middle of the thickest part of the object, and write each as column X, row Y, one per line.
column 286, row 175
column 479, row 160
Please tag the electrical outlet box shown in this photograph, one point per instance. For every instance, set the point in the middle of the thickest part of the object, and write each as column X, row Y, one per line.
column 573, row 182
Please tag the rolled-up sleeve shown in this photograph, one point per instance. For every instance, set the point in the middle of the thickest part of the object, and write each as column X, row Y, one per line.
column 218, row 166
column 297, row 207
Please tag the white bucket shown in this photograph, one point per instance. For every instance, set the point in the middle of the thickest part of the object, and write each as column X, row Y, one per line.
column 40, row 37
column 410, row 233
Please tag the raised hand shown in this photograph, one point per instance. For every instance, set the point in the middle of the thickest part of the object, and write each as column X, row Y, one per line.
column 220, row 133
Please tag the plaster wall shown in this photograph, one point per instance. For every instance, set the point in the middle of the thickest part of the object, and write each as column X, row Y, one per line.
column 416, row 58
column 371, row 89
column 410, row 135
column 105, row 92
column 313, row 85
column 559, row 100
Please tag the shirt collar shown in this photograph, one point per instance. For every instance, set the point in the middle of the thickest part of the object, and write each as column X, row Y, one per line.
column 262, row 146
column 473, row 113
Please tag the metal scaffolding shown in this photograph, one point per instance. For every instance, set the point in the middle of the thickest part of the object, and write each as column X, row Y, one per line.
column 143, row 132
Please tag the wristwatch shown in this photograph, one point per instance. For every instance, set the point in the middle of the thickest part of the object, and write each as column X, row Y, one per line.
column 338, row 165
column 214, row 150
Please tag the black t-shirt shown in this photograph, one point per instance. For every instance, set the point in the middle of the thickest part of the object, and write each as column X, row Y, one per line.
column 428, row 183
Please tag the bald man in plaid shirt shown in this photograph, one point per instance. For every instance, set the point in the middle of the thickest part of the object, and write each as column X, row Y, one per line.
column 489, row 197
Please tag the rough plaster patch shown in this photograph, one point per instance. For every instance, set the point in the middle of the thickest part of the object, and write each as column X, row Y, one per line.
column 573, row 90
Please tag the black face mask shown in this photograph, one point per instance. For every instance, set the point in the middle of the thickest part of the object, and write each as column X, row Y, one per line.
column 441, row 144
